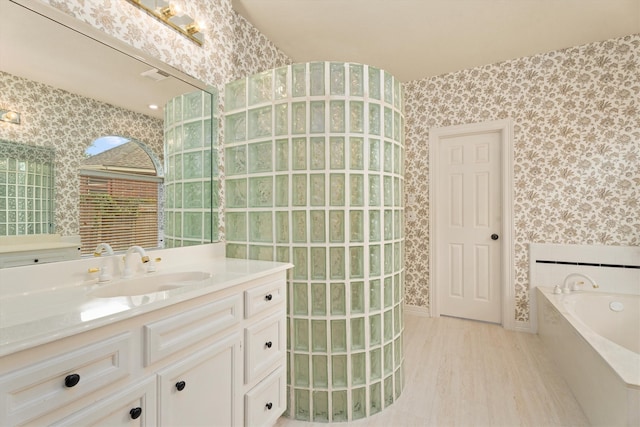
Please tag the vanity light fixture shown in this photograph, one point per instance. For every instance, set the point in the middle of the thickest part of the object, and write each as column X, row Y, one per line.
column 171, row 14
column 10, row 116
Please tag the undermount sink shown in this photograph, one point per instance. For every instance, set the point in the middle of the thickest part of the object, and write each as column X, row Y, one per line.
column 149, row 284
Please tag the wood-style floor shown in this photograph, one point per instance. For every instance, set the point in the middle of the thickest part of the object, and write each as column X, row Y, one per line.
column 465, row 373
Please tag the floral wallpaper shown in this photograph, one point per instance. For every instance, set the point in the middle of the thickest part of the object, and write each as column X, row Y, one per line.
column 576, row 115
column 69, row 123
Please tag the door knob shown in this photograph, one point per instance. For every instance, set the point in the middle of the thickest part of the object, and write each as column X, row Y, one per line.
column 494, row 237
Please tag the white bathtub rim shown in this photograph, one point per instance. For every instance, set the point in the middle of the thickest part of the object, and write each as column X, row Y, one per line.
column 624, row 362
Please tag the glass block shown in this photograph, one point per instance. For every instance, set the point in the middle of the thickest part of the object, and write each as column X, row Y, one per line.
column 388, row 226
column 321, row 406
column 396, row 289
column 374, row 190
column 299, row 190
column 337, row 190
column 299, row 226
column 317, row 153
column 318, row 299
column 375, row 256
column 282, row 190
column 192, row 164
column 301, row 370
column 192, row 135
column 375, row 226
column 374, row 119
column 338, row 300
column 301, row 334
column 280, row 89
column 282, row 155
column 357, row 297
column 387, row 191
column 300, row 299
column 375, row 295
column 192, row 227
column 282, row 227
column 338, row 335
column 235, row 161
column 356, row 188
column 396, row 130
column 288, row 411
column 356, row 116
column 193, row 195
column 235, row 127
column 320, row 371
column 397, row 346
column 357, row 333
column 359, row 403
column 261, row 192
column 318, row 263
column 282, row 254
column 260, row 122
column 336, row 116
column 339, row 408
column 299, row 155
column 337, row 78
column 388, row 391
column 398, row 383
column 388, row 122
column 317, row 116
column 356, row 226
column 236, row 251
column 300, row 263
column 356, row 80
column 316, row 78
column 282, row 119
column 336, row 153
column 375, row 364
column 388, row 87
column 260, row 227
column 388, row 292
column 356, row 262
column 374, row 83
column 299, row 118
column 397, row 256
column 388, row 325
column 375, row 398
column 375, row 330
column 336, row 226
column 397, row 93
column 207, row 167
column 262, row 253
column 302, row 405
column 319, row 335
column 260, row 87
column 317, row 189
column 236, row 226
column 317, row 232
column 299, row 76
column 356, row 153
column 235, row 95
column 339, row 370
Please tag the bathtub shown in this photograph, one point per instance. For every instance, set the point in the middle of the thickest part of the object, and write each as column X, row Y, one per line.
column 594, row 340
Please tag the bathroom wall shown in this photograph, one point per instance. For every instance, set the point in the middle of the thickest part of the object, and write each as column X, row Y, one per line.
column 576, row 121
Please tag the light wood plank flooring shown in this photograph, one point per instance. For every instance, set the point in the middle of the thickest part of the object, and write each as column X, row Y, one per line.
column 464, row 373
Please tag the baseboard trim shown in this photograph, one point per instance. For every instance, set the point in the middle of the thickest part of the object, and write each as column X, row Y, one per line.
column 416, row 310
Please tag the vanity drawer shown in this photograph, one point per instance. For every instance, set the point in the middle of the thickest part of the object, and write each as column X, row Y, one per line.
column 33, row 391
column 264, row 297
column 264, row 403
column 172, row 334
column 265, row 343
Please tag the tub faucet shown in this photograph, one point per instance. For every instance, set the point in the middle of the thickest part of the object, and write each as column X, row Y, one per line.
column 576, row 285
column 127, row 273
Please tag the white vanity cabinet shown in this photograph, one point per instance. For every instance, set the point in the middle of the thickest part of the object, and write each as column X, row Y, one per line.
column 215, row 360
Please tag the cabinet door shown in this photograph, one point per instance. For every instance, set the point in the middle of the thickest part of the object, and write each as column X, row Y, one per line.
column 131, row 407
column 203, row 389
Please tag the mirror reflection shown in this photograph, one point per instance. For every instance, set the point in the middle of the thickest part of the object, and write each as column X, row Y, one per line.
column 71, row 90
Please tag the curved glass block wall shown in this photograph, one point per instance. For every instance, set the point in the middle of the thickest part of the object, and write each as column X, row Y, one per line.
column 314, row 176
column 191, row 171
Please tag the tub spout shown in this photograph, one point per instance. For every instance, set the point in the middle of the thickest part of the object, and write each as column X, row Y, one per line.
column 576, row 284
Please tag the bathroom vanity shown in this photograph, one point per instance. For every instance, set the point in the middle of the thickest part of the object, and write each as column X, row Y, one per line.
column 209, row 351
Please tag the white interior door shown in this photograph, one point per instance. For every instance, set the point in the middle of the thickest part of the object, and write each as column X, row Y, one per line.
column 468, row 225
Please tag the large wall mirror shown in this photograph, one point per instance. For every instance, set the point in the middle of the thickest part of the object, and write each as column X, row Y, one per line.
column 77, row 90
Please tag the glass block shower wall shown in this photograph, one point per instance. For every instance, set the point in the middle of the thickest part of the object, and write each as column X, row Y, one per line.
column 191, row 170
column 314, row 176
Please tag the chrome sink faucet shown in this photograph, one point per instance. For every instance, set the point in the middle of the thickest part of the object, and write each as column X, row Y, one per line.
column 127, row 273
column 576, row 285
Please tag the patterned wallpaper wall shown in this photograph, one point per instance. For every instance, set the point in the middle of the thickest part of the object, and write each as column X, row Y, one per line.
column 69, row 123
column 576, row 115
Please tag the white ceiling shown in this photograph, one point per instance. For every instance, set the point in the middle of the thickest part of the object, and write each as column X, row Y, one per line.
column 413, row 39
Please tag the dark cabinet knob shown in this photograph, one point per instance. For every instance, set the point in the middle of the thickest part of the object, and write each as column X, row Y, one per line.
column 71, row 380
column 180, row 385
column 494, row 237
column 268, row 297
column 268, row 344
column 135, row 413
column 269, row 405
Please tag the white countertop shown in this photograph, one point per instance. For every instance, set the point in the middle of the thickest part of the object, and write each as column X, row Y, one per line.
column 39, row 316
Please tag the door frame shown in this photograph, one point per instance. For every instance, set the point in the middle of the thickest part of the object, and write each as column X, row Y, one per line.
column 505, row 128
